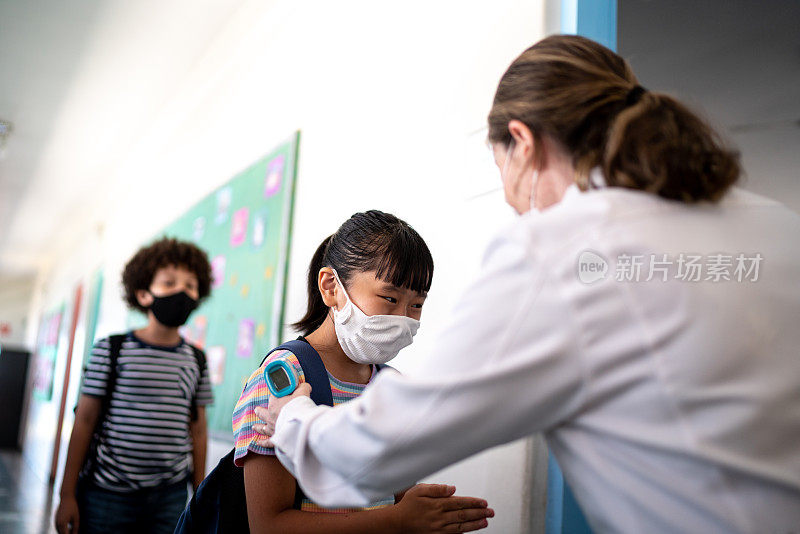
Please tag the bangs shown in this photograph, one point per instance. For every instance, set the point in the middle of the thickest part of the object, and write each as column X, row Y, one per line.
column 404, row 260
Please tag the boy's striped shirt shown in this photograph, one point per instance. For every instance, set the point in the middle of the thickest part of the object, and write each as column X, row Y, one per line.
column 145, row 439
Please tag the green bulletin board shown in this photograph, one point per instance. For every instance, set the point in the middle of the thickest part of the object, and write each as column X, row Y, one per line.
column 245, row 227
column 46, row 354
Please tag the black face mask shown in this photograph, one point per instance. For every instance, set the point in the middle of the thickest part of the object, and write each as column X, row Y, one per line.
column 173, row 310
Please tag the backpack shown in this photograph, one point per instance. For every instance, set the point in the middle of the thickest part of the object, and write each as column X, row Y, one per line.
column 219, row 505
column 115, row 346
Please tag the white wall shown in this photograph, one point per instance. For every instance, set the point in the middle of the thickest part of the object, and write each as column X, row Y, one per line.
column 56, row 287
column 15, row 299
column 391, row 100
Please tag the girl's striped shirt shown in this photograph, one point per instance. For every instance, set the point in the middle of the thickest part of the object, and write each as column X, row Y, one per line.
column 256, row 393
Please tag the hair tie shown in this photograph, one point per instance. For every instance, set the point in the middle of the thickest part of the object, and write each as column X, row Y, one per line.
column 634, row 95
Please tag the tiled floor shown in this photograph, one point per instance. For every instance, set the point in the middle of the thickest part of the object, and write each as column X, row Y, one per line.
column 26, row 504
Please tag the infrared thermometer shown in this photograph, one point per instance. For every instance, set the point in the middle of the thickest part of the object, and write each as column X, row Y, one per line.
column 281, row 377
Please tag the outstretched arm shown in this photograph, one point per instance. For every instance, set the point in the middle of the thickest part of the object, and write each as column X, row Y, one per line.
column 270, row 491
column 508, row 365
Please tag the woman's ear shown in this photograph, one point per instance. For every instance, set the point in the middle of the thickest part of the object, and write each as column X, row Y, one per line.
column 328, row 287
column 144, row 297
column 524, row 140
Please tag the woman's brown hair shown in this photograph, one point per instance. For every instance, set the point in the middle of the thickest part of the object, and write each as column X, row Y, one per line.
column 587, row 98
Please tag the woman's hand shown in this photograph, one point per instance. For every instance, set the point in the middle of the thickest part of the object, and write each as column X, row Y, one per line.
column 273, row 410
column 67, row 516
column 434, row 508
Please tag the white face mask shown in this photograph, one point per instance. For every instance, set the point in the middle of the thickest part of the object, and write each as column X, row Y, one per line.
column 371, row 338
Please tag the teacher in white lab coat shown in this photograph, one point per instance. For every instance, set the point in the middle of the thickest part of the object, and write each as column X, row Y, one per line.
column 642, row 312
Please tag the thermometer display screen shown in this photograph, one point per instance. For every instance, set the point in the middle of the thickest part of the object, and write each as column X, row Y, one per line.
column 279, row 378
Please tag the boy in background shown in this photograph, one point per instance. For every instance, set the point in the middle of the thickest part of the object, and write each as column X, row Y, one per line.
column 140, row 426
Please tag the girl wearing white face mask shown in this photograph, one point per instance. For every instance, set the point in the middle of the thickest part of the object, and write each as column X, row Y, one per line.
column 366, row 287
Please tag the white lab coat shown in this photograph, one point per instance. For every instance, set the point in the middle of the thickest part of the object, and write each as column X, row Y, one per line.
column 672, row 406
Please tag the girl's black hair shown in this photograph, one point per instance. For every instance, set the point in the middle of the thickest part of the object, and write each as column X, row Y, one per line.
column 368, row 241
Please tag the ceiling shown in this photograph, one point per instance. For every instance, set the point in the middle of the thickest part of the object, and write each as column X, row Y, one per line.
column 82, row 81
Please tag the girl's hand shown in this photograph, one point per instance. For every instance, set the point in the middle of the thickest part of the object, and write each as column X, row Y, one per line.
column 270, row 414
column 434, row 508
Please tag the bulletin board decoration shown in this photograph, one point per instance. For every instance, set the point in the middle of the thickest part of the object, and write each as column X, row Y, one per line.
column 46, row 353
column 93, row 297
column 245, row 228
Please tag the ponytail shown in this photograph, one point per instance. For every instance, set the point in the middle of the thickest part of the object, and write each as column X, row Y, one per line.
column 317, row 311
column 659, row 146
column 587, row 98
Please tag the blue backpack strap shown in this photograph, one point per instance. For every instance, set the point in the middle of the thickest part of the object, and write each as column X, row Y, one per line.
column 313, row 369
column 219, row 504
column 317, row 377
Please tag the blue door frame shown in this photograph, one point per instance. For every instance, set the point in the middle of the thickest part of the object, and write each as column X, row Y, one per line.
column 597, row 20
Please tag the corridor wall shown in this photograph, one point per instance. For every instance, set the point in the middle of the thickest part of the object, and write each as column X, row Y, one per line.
column 392, row 104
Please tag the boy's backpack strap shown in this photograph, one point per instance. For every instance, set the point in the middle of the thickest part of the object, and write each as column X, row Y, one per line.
column 115, row 343
column 115, row 346
column 200, row 357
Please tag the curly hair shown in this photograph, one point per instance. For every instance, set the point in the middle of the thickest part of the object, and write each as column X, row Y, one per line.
column 141, row 268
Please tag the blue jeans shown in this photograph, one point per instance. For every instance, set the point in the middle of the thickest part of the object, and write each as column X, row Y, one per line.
column 152, row 511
